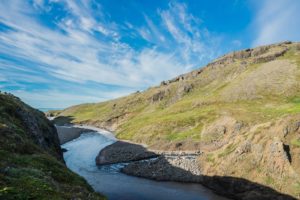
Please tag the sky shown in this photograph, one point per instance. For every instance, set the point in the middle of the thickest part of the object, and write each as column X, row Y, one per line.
column 58, row 53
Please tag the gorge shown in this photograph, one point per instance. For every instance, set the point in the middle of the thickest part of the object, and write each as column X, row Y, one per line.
column 241, row 112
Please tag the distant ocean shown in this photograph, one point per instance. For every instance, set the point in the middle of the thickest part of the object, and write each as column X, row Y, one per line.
column 48, row 109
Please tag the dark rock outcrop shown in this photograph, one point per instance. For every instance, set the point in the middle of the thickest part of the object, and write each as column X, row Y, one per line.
column 159, row 96
column 270, row 56
column 41, row 130
column 185, row 88
column 259, row 51
column 119, row 152
column 31, row 161
column 34, row 122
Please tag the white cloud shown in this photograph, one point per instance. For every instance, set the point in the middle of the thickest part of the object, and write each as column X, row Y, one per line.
column 276, row 21
column 154, row 30
column 76, row 55
column 48, row 47
column 196, row 43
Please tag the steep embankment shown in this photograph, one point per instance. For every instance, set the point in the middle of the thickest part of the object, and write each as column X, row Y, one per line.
column 31, row 162
column 241, row 111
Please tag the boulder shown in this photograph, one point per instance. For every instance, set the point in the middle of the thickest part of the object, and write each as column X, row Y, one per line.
column 277, row 158
column 184, row 88
column 120, row 151
column 245, row 147
column 158, row 96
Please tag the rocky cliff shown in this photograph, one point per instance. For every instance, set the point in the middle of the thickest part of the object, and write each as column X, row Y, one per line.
column 241, row 111
column 31, row 162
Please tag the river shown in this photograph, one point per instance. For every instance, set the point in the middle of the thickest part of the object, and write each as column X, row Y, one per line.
column 108, row 180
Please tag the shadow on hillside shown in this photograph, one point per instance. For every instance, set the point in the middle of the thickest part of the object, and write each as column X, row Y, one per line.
column 231, row 187
column 63, row 120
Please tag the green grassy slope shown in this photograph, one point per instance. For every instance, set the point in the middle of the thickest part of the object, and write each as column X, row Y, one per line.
column 249, row 89
column 31, row 165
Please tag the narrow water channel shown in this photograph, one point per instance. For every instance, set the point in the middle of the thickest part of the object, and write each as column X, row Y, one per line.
column 80, row 158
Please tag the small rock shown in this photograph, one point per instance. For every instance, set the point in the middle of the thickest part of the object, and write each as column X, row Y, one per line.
column 158, row 96
column 179, row 144
column 285, row 131
column 297, row 126
column 186, row 88
column 238, row 126
column 244, row 148
column 221, row 130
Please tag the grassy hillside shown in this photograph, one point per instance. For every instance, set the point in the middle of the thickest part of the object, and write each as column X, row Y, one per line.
column 251, row 88
column 31, row 164
column 241, row 111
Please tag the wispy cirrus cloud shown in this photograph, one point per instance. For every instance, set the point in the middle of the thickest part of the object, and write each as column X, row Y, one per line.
column 276, row 21
column 178, row 31
column 195, row 41
column 56, row 43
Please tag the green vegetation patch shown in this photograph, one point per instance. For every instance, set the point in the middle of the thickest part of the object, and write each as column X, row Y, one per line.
column 269, row 180
column 210, row 158
column 295, row 142
column 39, row 176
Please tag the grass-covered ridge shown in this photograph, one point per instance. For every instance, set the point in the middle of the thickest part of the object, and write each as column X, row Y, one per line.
column 31, row 165
column 252, row 89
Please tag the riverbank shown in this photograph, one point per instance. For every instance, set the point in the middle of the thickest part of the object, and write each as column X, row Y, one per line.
column 167, row 166
column 185, row 167
column 179, row 166
column 68, row 133
column 108, row 180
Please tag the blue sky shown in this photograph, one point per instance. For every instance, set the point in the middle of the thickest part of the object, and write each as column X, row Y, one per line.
column 58, row 53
